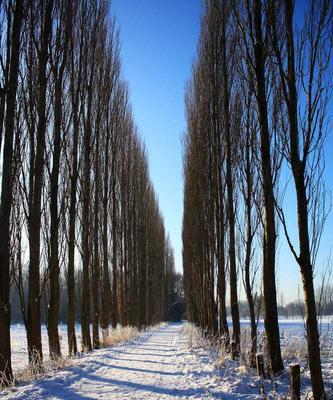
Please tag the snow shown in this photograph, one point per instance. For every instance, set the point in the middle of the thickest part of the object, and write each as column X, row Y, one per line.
column 169, row 362
column 19, row 343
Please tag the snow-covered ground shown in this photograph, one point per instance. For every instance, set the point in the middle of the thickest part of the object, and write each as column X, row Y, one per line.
column 19, row 343
column 166, row 363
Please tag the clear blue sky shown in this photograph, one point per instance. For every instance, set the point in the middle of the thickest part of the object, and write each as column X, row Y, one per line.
column 158, row 45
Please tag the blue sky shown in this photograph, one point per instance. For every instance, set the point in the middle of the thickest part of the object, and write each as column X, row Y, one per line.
column 158, row 45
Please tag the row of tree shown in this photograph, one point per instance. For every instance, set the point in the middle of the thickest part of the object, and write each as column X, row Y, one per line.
column 172, row 296
column 77, row 202
column 174, row 305
column 256, row 105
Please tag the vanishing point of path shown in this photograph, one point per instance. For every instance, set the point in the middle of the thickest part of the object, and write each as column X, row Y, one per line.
column 157, row 365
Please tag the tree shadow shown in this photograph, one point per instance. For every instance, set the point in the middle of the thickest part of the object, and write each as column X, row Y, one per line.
column 138, row 354
column 155, row 349
column 141, row 360
column 50, row 389
column 132, row 369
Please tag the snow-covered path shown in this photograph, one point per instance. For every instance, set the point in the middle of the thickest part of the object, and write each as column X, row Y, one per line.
column 151, row 367
column 168, row 362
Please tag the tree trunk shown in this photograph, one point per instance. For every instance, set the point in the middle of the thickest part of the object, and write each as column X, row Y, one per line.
column 248, row 285
column 72, row 344
column 114, row 240
column 86, row 258
column 230, row 188
column 6, row 199
column 96, row 280
column 54, row 268
column 271, row 315
column 75, row 89
column 248, row 199
column 304, row 259
column 318, row 389
column 33, row 317
column 106, row 291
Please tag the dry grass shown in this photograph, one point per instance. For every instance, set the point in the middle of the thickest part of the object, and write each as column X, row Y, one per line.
column 295, row 348
column 194, row 336
column 119, row 335
column 226, row 369
column 35, row 370
column 4, row 383
column 197, row 339
column 123, row 334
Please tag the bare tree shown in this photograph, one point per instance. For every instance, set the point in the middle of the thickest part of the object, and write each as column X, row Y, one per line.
column 250, row 19
column 13, row 54
column 76, row 71
column 94, row 28
column 63, row 11
column 249, row 185
column 226, row 79
column 38, row 41
column 303, row 61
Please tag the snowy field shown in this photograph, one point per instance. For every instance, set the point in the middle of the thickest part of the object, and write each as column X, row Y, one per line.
column 19, row 343
column 170, row 362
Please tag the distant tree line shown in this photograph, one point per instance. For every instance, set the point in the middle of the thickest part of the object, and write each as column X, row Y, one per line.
column 257, row 113
column 294, row 309
column 175, row 301
column 81, row 234
column 173, row 296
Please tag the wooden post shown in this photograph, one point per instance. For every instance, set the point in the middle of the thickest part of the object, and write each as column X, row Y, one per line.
column 260, row 365
column 295, row 382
